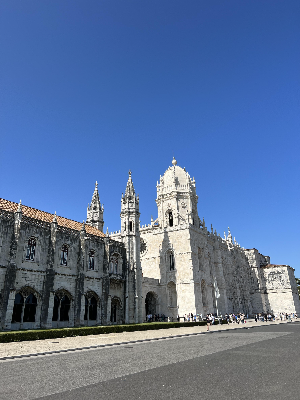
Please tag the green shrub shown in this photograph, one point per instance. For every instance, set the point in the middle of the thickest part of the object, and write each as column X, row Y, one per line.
column 40, row 334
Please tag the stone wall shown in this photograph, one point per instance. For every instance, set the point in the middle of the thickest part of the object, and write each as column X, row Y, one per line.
column 45, row 276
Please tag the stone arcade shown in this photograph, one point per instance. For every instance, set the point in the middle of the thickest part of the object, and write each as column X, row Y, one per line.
column 55, row 272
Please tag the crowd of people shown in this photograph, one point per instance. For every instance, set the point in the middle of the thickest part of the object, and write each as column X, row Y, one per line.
column 230, row 318
column 275, row 317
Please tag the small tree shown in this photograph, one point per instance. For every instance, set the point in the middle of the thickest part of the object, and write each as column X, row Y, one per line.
column 298, row 286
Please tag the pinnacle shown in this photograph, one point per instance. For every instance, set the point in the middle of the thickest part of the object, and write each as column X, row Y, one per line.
column 129, row 187
column 20, row 207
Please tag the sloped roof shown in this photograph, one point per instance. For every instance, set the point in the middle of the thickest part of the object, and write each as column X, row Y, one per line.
column 47, row 217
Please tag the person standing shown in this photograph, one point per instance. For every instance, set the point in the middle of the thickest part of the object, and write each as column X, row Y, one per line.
column 207, row 321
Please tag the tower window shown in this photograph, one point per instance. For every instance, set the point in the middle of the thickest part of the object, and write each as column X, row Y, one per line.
column 171, row 258
column 30, row 254
column 131, row 226
column 92, row 260
column 170, row 218
column 64, row 255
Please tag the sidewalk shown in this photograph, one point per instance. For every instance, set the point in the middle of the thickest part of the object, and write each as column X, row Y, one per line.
column 36, row 347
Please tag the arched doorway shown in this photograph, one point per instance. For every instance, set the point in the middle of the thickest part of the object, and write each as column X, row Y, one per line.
column 30, row 308
column 25, row 315
column 151, row 303
column 62, row 312
column 91, row 306
column 18, row 308
column 116, row 315
column 64, row 308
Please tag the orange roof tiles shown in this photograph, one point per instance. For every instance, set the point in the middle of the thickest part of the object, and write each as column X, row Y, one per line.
column 47, row 217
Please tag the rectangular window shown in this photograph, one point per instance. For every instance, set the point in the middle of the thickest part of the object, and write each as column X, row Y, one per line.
column 91, row 260
column 30, row 253
column 64, row 255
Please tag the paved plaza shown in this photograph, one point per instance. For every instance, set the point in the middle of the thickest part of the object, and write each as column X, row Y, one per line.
column 262, row 362
column 79, row 342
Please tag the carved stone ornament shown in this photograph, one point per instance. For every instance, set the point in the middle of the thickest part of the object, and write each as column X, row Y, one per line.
column 276, row 280
column 143, row 248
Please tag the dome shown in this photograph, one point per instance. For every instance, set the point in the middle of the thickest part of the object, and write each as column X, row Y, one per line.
column 177, row 178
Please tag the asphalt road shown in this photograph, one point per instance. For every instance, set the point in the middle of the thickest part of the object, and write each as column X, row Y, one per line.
column 258, row 363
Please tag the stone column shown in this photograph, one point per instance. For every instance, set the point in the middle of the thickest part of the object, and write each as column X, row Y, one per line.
column 71, row 313
column 37, row 323
column 127, row 298
column 108, row 310
column 82, row 310
column 10, row 308
column 99, row 313
column 48, row 324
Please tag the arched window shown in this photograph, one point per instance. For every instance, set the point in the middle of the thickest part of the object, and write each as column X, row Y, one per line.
column 115, row 264
column 64, row 255
column 131, row 226
column 30, row 253
column 55, row 308
column 64, row 308
column 18, row 308
column 170, row 218
column 30, row 308
column 171, row 261
column 92, row 260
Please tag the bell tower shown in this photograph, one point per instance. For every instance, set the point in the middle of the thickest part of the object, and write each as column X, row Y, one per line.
column 130, row 234
column 176, row 198
column 95, row 211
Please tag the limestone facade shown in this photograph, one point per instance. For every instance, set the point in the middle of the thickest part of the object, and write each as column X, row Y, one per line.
column 190, row 269
column 55, row 272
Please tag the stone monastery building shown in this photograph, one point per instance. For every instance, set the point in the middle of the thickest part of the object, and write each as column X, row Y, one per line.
column 55, row 272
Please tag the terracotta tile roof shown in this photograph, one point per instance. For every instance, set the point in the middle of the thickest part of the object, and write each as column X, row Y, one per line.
column 47, row 217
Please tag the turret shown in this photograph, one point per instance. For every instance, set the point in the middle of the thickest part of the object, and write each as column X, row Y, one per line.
column 130, row 213
column 95, row 211
column 130, row 233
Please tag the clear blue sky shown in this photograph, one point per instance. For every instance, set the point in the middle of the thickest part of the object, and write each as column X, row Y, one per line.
column 91, row 89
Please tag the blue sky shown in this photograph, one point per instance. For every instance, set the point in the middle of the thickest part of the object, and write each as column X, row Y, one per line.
column 91, row 89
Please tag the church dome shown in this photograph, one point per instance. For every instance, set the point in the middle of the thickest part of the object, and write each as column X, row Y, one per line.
column 176, row 178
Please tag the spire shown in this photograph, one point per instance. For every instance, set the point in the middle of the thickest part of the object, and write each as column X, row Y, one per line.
column 95, row 197
column 129, row 192
column 95, row 211
column 174, row 162
column 54, row 217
